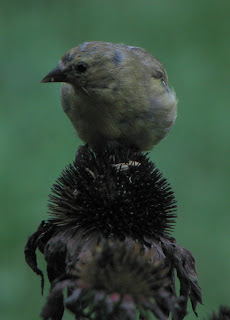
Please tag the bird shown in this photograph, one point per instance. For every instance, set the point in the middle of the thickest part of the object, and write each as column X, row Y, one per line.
column 115, row 94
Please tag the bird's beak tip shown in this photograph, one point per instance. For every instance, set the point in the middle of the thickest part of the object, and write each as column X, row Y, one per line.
column 55, row 75
column 47, row 79
column 44, row 80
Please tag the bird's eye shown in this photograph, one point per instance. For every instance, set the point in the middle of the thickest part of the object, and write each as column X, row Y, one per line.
column 159, row 75
column 81, row 67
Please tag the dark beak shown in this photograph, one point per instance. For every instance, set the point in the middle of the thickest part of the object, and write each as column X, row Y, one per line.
column 56, row 75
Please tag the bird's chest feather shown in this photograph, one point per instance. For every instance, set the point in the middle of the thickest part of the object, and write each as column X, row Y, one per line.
column 96, row 116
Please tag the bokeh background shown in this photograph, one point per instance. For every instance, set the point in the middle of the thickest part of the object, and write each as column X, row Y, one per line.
column 192, row 39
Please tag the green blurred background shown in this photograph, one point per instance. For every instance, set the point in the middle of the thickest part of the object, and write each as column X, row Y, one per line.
column 192, row 39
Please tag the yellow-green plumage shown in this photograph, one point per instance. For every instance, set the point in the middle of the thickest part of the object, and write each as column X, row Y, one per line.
column 114, row 93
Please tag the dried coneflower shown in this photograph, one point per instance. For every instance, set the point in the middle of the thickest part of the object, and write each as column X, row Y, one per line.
column 97, row 194
column 116, row 195
column 115, row 281
column 222, row 314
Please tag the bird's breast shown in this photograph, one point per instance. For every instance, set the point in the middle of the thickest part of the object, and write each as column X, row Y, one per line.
column 95, row 119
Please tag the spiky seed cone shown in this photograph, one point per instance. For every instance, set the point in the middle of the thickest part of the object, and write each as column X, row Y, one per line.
column 112, row 267
column 118, row 282
column 94, row 194
column 64, row 250
column 222, row 314
column 96, row 198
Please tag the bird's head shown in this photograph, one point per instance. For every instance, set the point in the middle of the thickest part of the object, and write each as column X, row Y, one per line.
column 102, row 65
column 91, row 65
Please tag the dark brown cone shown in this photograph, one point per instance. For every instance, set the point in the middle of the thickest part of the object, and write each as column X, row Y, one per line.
column 117, row 280
column 94, row 201
column 222, row 314
column 64, row 249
